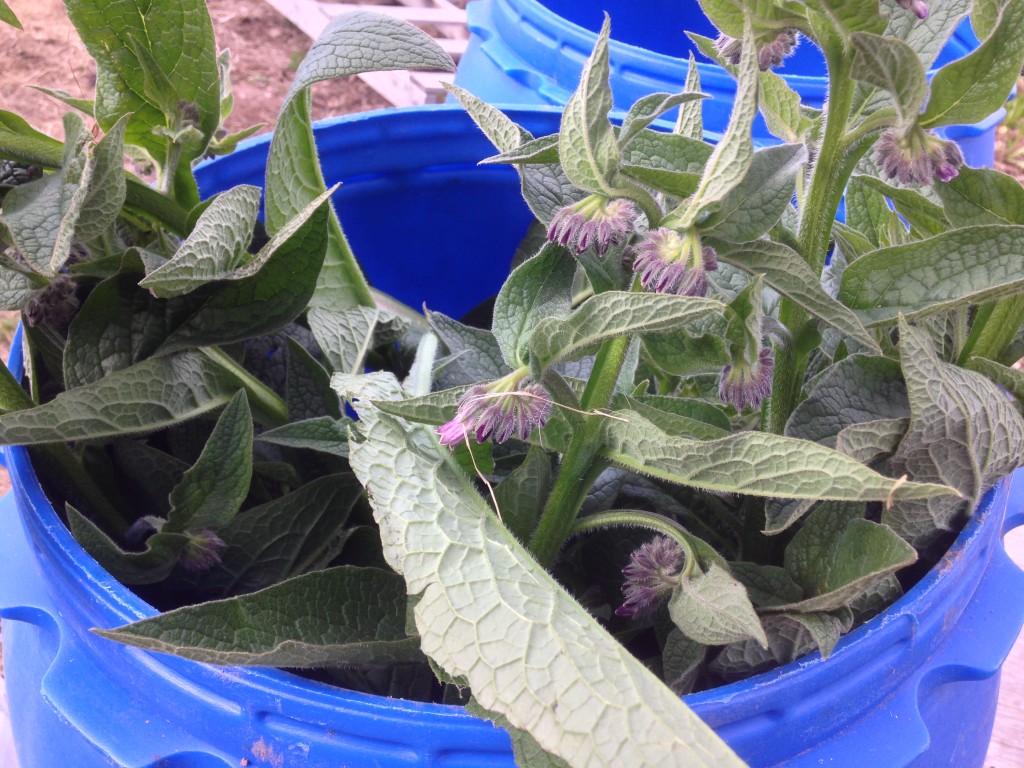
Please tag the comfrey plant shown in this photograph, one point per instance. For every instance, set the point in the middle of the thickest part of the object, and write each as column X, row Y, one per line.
column 711, row 428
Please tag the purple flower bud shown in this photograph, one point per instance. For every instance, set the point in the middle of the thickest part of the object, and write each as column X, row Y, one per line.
column 651, row 575
column 498, row 413
column 919, row 157
column 729, row 48
column 669, row 262
column 745, row 385
column 595, row 222
column 919, row 7
column 202, row 551
column 772, row 54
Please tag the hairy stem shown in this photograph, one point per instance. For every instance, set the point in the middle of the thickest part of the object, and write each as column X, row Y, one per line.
column 569, row 490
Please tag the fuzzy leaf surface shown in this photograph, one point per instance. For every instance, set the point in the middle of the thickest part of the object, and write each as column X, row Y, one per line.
column 713, row 608
column 963, row 432
column 151, row 395
column 965, row 266
column 343, row 615
column 982, row 196
column 755, row 463
column 214, row 249
column 488, row 614
column 610, row 314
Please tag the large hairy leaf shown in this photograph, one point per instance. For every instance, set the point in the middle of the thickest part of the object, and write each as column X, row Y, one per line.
column 151, row 395
column 491, row 617
column 129, row 40
column 965, row 266
column 350, row 44
column 756, row 463
column 360, row 618
column 963, row 432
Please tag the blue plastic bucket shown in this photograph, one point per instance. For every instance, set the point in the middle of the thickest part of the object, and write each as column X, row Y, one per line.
column 916, row 686
column 529, row 52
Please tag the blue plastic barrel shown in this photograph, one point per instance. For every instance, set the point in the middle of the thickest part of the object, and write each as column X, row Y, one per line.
column 532, row 52
column 916, row 686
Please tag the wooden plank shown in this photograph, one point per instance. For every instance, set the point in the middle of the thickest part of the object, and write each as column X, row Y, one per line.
column 1007, row 747
column 307, row 15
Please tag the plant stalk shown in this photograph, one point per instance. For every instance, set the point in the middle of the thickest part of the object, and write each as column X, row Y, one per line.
column 569, row 490
column 995, row 327
column 269, row 409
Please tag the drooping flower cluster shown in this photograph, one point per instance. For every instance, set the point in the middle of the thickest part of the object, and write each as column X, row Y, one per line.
column 917, row 157
column 504, row 409
column 769, row 55
column 670, row 262
column 651, row 575
column 919, row 7
column 745, row 385
column 595, row 221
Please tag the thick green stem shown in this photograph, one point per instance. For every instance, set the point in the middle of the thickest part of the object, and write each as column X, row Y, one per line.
column 636, row 518
column 828, row 180
column 269, row 409
column 569, row 490
column 995, row 327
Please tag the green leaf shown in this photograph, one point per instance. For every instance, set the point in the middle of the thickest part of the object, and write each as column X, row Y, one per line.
column 649, row 108
column 213, row 488
column 268, row 292
column 866, row 210
column 785, row 271
column 522, row 494
column 287, row 536
column 713, row 608
column 308, row 392
column 825, row 628
column 542, row 150
column 733, row 155
column 730, row 15
column 107, row 185
column 981, row 435
column 924, row 217
column 345, row 336
column 430, row 516
column 985, row 15
column 7, row 15
column 434, row 408
column 788, row 640
column 690, row 123
column 859, row 388
column 837, row 556
column 82, row 105
column 43, row 214
column 1011, row 379
column 681, row 354
column 587, row 147
column 870, row 441
column 326, row 434
column 150, row 566
column 611, row 314
column 525, row 749
column 681, row 660
column 755, row 463
column 962, row 267
column 756, row 204
column 666, row 162
column 474, row 353
column 538, row 289
column 970, row 89
column 294, row 180
column 685, row 417
column 982, row 196
column 360, row 619
column 780, row 107
column 215, row 248
column 767, row 585
column 546, row 188
column 151, row 395
column 21, row 142
column 163, row 29
column 891, row 64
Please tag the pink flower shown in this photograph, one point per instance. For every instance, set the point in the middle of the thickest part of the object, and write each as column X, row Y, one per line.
column 595, row 221
column 745, row 385
column 668, row 262
column 498, row 413
column 919, row 7
column 202, row 551
column 918, row 157
column 651, row 575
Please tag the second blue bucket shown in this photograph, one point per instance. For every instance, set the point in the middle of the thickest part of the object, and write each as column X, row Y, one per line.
column 532, row 52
